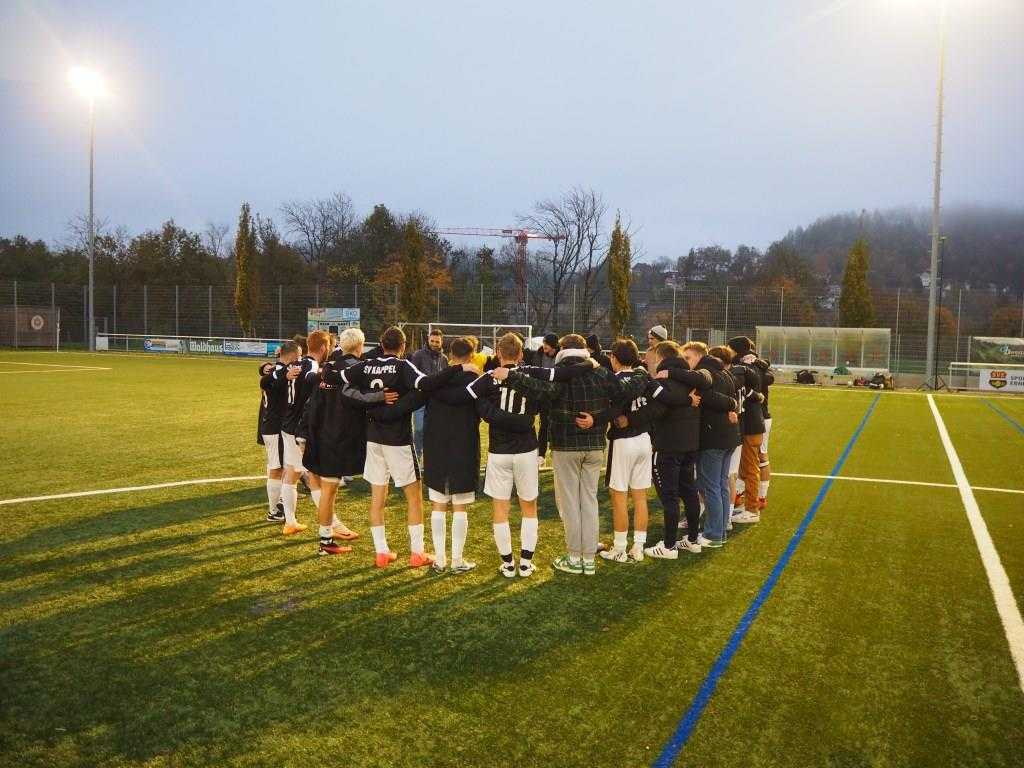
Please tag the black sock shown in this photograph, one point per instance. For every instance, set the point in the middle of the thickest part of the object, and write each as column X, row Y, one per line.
column 526, row 554
column 507, row 558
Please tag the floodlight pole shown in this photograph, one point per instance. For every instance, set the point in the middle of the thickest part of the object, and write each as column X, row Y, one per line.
column 92, row 225
column 933, row 287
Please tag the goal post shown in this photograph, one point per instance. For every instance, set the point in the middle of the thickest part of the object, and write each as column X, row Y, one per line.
column 986, row 377
column 487, row 333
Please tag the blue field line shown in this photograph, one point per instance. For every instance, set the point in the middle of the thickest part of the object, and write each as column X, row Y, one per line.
column 1013, row 422
column 684, row 729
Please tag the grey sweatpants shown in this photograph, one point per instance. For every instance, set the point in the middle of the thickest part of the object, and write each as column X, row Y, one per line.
column 576, row 477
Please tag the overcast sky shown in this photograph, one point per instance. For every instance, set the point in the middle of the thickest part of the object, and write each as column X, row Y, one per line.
column 727, row 122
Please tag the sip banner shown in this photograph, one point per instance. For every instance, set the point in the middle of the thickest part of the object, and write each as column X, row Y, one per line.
column 1001, row 380
column 251, row 348
column 161, row 345
column 1000, row 350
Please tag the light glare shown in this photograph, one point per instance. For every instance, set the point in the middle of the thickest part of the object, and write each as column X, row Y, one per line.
column 87, row 82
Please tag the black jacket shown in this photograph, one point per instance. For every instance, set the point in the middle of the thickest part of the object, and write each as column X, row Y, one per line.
column 429, row 361
column 334, row 425
column 763, row 368
column 716, row 431
column 675, row 421
column 748, row 389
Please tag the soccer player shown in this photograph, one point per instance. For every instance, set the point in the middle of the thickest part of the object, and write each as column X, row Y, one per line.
column 334, row 424
column 274, row 385
column 675, row 430
column 719, row 436
column 580, row 411
column 452, row 458
column 300, row 385
column 511, row 459
column 546, row 359
column 748, row 379
column 390, row 454
column 629, row 459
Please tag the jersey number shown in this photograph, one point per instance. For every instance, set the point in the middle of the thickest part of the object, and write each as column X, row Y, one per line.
column 508, row 401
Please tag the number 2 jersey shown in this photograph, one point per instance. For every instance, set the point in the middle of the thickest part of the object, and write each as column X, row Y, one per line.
column 394, row 373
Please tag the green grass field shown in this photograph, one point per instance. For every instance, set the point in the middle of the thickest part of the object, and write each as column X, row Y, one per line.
column 172, row 627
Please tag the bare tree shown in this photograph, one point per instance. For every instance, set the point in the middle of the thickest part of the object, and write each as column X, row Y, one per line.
column 321, row 224
column 576, row 228
column 214, row 238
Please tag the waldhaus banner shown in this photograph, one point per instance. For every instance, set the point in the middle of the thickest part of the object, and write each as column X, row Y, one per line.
column 1001, row 350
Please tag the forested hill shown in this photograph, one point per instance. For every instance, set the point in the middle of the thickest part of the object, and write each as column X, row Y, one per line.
column 983, row 245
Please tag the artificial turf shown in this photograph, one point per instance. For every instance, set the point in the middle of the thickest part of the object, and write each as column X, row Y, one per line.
column 172, row 627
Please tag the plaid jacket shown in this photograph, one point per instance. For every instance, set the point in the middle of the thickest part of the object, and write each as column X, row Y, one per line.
column 594, row 393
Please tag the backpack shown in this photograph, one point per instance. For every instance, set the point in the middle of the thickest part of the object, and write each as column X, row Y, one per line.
column 805, row 376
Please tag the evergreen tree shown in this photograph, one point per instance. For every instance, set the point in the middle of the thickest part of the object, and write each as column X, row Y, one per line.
column 619, row 274
column 246, row 273
column 855, row 307
column 414, row 297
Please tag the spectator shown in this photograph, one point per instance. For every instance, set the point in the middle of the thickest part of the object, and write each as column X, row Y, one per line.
column 430, row 360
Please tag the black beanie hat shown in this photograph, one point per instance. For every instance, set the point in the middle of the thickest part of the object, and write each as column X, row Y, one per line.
column 551, row 340
column 741, row 345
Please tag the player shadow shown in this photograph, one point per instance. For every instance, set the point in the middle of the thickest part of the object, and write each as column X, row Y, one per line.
column 334, row 637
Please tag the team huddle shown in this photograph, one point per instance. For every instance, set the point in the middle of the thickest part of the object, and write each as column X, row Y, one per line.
column 689, row 420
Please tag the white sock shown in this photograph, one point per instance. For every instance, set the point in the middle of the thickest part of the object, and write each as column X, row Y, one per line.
column 640, row 537
column 763, row 490
column 325, row 532
column 314, row 494
column 380, row 542
column 528, row 534
column 273, row 493
column 740, row 485
column 334, row 520
column 290, row 499
column 621, row 539
column 416, row 539
column 460, row 527
column 439, row 535
column 503, row 539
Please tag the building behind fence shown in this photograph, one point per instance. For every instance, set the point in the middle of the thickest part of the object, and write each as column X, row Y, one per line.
column 688, row 311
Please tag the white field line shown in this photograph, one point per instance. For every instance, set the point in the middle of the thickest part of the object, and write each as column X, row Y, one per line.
column 132, row 489
column 894, row 482
column 245, row 478
column 1006, row 605
column 58, row 366
column 61, row 370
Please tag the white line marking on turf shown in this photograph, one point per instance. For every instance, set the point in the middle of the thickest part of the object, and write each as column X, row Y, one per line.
column 62, row 370
column 240, row 478
column 56, row 365
column 102, row 491
column 893, row 482
column 1006, row 605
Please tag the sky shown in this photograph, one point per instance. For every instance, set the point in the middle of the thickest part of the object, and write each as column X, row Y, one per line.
column 728, row 122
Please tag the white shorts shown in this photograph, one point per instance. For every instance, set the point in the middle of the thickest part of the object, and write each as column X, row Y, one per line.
column 734, row 461
column 631, row 463
column 764, row 440
column 391, row 462
column 507, row 469
column 292, row 452
column 275, row 453
column 457, row 499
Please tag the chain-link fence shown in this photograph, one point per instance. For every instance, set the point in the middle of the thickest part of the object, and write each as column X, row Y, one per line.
column 690, row 311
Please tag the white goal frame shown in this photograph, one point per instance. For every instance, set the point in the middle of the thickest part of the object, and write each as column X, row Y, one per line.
column 967, row 376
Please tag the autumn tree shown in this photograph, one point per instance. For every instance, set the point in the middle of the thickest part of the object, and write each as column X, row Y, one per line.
column 619, row 272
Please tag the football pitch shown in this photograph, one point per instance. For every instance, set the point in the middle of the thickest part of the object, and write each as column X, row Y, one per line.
column 856, row 625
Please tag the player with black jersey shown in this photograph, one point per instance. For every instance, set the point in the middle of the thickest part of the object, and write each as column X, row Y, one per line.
column 390, row 454
column 512, row 458
column 274, row 386
column 628, row 470
column 301, row 381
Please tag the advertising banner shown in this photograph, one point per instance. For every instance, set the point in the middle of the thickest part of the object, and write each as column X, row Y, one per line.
column 331, row 318
column 1000, row 350
column 1001, row 379
column 251, row 348
column 206, row 346
column 161, row 345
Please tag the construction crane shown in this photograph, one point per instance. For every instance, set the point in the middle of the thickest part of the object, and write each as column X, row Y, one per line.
column 522, row 238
